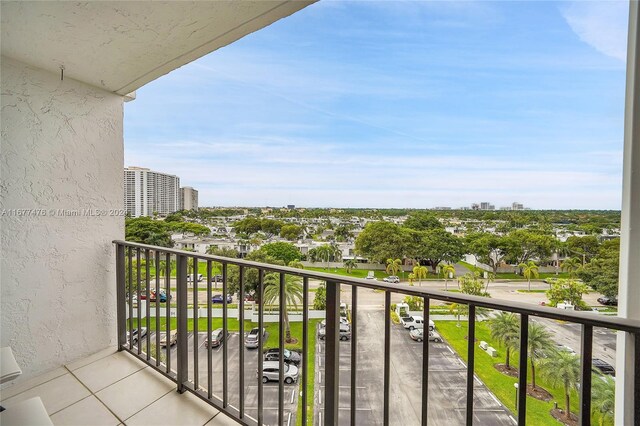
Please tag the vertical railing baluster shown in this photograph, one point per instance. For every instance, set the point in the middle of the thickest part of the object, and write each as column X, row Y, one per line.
column 138, row 311
column 471, row 354
column 130, row 291
column 305, row 346
column 196, row 343
column 260, row 297
column 121, row 296
column 636, row 378
column 387, row 357
column 425, row 360
column 225, row 331
column 157, row 255
column 332, row 355
column 209, row 353
column 354, row 352
column 586, row 352
column 281, row 311
column 147, row 280
column 167, row 324
column 183, row 337
column 522, row 369
column 240, row 341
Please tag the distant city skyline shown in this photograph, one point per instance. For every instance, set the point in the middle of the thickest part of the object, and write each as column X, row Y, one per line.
column 405, row 105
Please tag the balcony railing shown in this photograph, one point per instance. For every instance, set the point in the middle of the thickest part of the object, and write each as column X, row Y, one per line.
column 135, row 281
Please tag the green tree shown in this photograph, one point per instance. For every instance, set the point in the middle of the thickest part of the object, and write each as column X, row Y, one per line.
column 147, row 231
column 449, row 271
column 505, row 329
column 568, row 290
column 539, row 342
column 285, row 252
column 291, row 232
column 320, row 298
column 571, row 265
column 350, row 264
column 523, row 245
column 422, row 221
column 223, row 252
column 586, row 247
column 292, row 293
column 420, row 273
column 601, row 273
column 393, row 266
column 529, row 269
column 603, row 398
column 562, row 368
column 489, row 248
column 434, row 246
column 382, row 240
column 411, row 277
column 295, row 264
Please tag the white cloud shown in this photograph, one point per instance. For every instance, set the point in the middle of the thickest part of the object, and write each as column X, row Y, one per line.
column 602, row 25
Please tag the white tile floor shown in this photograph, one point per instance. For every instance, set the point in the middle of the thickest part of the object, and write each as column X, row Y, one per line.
column 113, row 388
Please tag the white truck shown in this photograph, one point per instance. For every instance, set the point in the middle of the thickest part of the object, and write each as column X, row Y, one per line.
column 412, row 323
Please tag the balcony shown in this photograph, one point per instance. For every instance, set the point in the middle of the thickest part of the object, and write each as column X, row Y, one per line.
column 441, row 388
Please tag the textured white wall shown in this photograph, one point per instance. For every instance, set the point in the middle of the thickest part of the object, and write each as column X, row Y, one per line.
column 62, row 148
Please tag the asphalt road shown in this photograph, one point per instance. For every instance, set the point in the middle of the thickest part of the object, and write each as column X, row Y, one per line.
column 447, row 381
column 270, row 406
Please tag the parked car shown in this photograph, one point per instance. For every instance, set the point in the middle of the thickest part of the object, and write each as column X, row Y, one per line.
column 291, row 357
column 271, row 372
column 343, row 320
column 173, row 338
column 410, row 323
column 190, row 277
column 217, row 337
column 251, row 341
column 345, row 331
column 217, row 298
column 418, row 335
column 391, row 279
column 162, row 296
column 603, row 366
column 217, row 278
column 608, row 301
column 137, row 334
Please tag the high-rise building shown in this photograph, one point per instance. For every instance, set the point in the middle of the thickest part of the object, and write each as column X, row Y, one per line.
column 485, row 205
column 188, row 198
column 517, row 206
column 147, row 192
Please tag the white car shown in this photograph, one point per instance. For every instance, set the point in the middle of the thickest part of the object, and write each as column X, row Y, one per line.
column 391, row 279
column 173, row 338
column 415, row 322
column 418, row 335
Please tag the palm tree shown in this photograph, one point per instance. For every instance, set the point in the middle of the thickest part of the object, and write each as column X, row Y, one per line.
column 570, row 265
column 529, row 269
column 603, row 394
column 506, row 330
column 420, row 272
column 295, row 264
column 563, row 368
column 458, row 309
column 292, row 294
column 411, row 278
column 539, row 342
column 447, row 270
column 350, row 264
column 325, row 253
column 393, row 266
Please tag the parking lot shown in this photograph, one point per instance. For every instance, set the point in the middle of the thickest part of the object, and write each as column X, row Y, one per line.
column 251, row 380
column 447, row 381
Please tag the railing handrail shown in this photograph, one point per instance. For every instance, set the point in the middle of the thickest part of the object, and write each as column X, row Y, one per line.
column 580, row 317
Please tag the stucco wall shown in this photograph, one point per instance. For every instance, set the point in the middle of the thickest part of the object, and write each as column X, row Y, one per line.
column 62, row 148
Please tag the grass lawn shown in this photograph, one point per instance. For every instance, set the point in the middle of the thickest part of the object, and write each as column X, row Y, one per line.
column 355, row 273
column 500, row 384
column 513, row 276
column 532, row 291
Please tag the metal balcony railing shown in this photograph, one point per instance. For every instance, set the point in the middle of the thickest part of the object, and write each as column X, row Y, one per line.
column 129, row 288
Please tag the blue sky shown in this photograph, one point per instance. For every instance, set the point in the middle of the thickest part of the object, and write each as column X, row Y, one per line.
column 399, row 104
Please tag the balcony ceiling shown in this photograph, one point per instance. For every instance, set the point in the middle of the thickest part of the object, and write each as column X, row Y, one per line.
column 120, row 46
